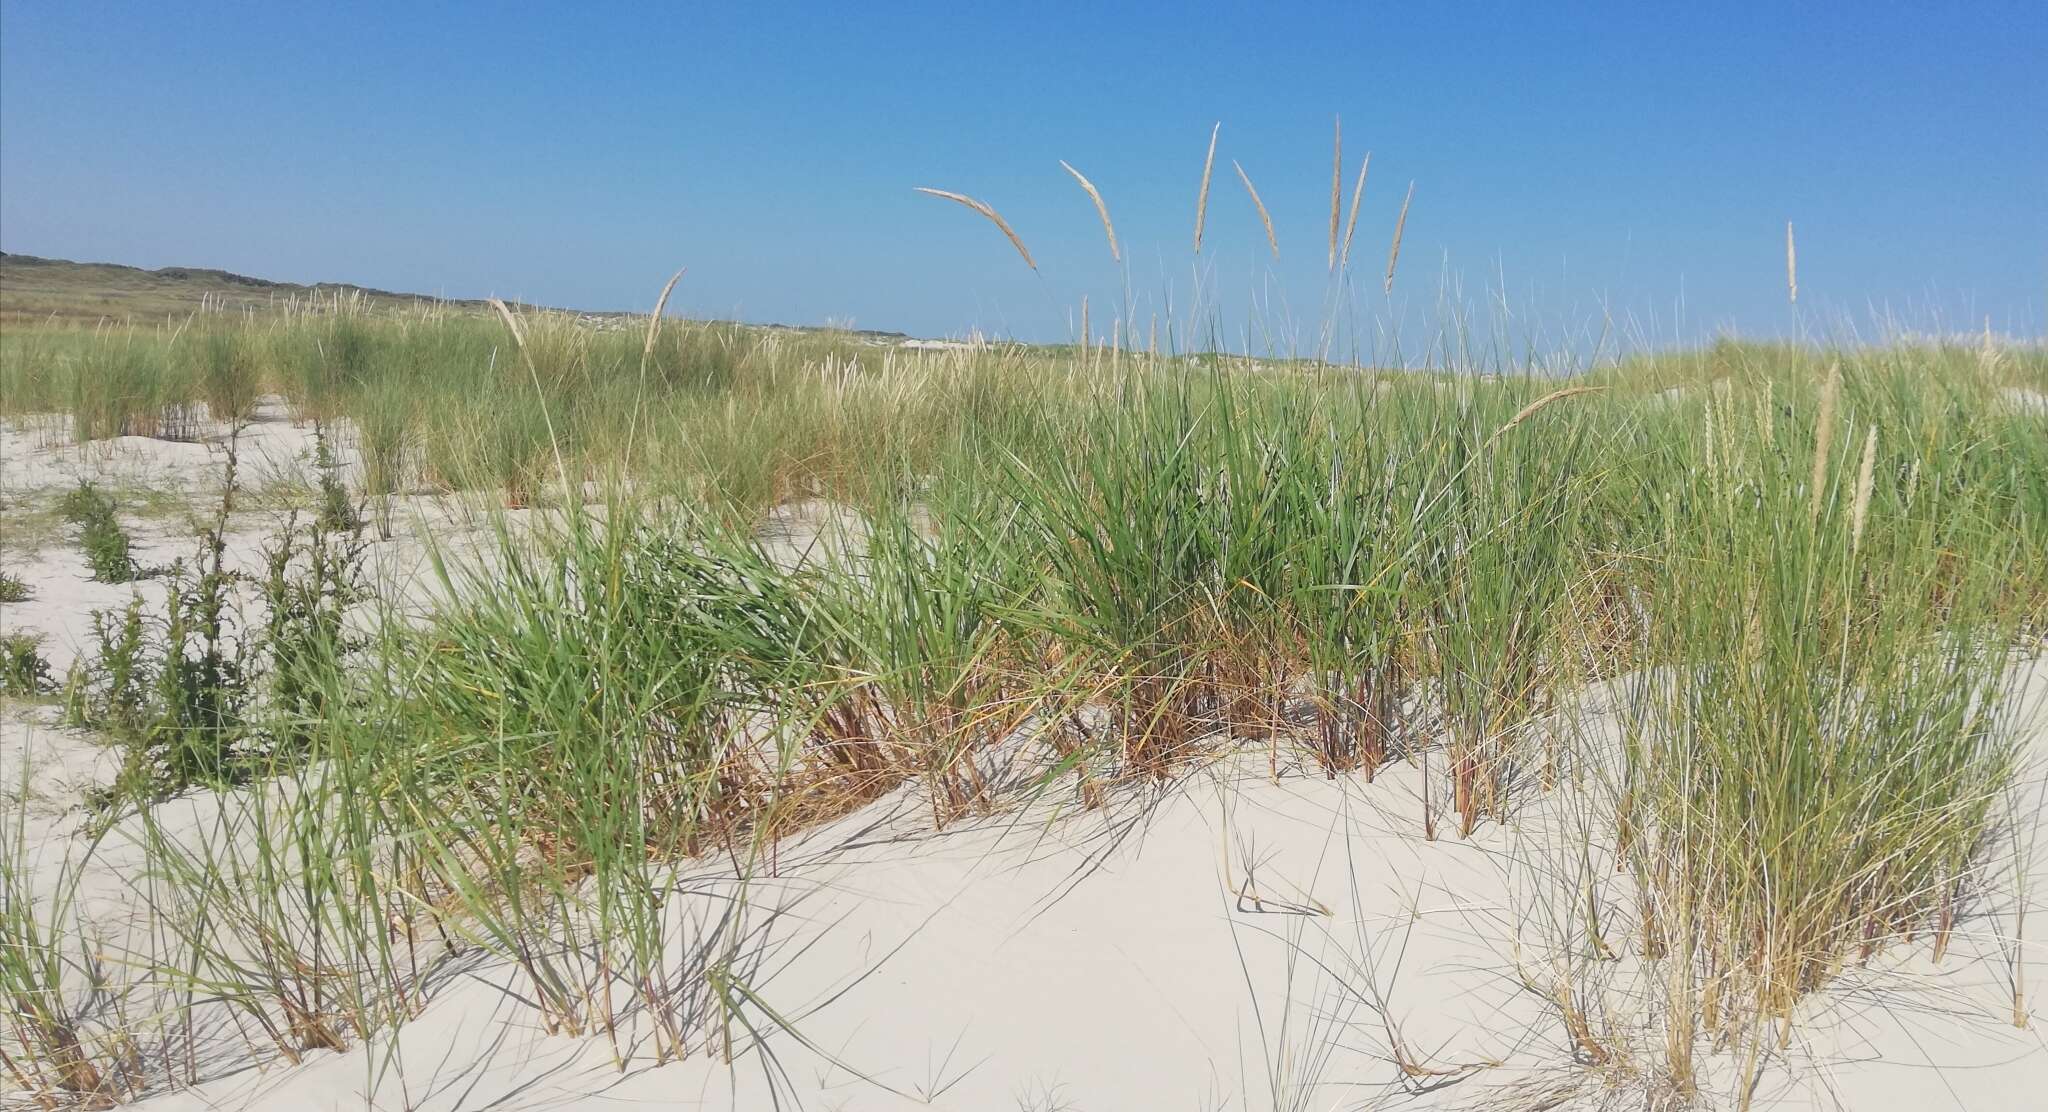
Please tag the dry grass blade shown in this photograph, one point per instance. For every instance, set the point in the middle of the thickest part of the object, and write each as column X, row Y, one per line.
column 1791, row 265
column 1537, row 406
column 1351, row 225
column 1101, row 209
column 1824, row 434
column 1400, row 225
column 993, row 216
column 1271, row 241
column 1202, row 199
column 1336, row 187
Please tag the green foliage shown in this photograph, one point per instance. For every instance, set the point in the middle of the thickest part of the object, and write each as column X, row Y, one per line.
column 338, row 514
column 100, row 535
column 23, row 671
column 311, row 581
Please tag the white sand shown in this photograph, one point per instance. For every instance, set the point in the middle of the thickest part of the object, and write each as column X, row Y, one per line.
column 1226, row 942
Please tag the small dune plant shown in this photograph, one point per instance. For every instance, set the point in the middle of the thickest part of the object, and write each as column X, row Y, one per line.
column 23, row 670
column 100, row 534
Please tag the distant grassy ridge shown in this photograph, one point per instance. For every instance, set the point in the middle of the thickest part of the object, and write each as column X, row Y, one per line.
column 39, row 290
column 34, row 288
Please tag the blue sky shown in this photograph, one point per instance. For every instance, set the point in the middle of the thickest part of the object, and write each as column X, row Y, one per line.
column 1633, row 162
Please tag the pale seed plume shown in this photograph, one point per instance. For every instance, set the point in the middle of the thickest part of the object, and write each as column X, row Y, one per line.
column 511, row 322
column 1271, row 241
column 1866, row 480
column 647, row 351
column 1202, row 199
column 997, row 220
column 1336, row 187
column 654, row 322
column 1101, row 209
column 1824, row 434
column 1537, row 406
column 1400, row 224
column 1791, row 265
column 1351, row 225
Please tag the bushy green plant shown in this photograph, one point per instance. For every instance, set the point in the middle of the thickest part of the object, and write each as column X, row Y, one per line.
column 312, row 578
column 101, row 536
column 338, row 513
column 23, row 671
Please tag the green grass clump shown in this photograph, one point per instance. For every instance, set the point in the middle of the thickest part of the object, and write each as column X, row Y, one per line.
column 101, row 536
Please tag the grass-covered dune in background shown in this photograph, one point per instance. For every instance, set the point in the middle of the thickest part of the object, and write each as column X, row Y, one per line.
column 1804, row 574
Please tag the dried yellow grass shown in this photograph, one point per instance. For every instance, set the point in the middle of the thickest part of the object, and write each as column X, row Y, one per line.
column 1336, row 187
column 1084, row 325
column 1264, row 218
column 1866, row 481
column 1791, row 265
column 1537, row 406
column 1202, row 199
column 1987, row 352
column 1351, row 225
column 993, row 216
column 1101, row 209
column 1824, row 434
column 1400, row 225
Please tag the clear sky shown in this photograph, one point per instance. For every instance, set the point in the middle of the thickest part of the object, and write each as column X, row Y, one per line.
column 1633, row 160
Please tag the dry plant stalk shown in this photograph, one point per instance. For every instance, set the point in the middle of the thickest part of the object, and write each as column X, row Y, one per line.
column 1400, row 224
column 1202, row 199
column 1866, row 477
column 1084, row 326
column 1824, row 434
column 1351, row 225
column 1101, row 209
column 996, row 219
column 1336, row 187
column 1534, row 407
column 1264, row 218
column 1791, row 265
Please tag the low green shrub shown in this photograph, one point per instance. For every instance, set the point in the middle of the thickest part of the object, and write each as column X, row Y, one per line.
column 101, row 536
column 23, row 671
